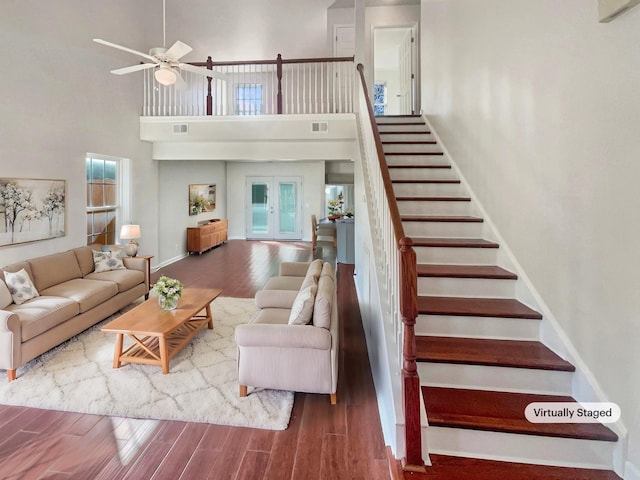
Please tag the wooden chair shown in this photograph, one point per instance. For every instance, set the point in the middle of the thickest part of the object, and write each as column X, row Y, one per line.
column 318, row 230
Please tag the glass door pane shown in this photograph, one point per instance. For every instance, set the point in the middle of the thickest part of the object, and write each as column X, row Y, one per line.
column 259, row 208
column 287, row 208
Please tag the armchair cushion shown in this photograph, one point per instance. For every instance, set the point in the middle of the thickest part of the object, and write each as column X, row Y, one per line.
column 302, row 307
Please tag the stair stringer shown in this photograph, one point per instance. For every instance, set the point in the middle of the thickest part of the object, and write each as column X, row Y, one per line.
column 585, row 387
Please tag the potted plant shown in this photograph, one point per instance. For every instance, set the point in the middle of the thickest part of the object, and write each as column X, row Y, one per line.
column 168, row 290
column 334, row 211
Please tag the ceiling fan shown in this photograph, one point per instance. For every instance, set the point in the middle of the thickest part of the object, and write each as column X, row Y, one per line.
column 164, row 61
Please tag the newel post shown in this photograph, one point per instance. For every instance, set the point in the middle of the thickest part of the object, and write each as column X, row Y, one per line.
column 209, row 96
column 410, row 381
column 279, row 74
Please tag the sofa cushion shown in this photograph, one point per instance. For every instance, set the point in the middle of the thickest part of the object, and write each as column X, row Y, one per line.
column 20, row 286
column 302, row 308
column 88, row 293
column 324, row 301
column 275, row 298
column 54, row 269
column 124, row 279
column 84, row 255
column 275, row 316
column 42, row 313
column 5, row 296
column 106, row 261
column 284, row 283
column 315, row 268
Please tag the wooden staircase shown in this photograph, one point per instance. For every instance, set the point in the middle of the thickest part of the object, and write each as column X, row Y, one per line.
column 480, row 359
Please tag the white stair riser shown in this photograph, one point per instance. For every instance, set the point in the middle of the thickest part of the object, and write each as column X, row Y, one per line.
column 418, row 128
column 502, row 379
column 456, row 256
column 422, row 174
column 520, row 448
column 466, row 287
column 477, row 327
column 400, row 119
column 428, row 189
column 443, row 229
column 440, row 207
column 411, row 147
column 407, row 137
column 421, row 160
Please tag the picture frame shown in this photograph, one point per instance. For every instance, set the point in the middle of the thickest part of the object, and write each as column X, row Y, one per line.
column 32, row 210
column 202, row 198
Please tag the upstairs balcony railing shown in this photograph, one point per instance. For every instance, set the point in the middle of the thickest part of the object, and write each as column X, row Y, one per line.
column 261, row 87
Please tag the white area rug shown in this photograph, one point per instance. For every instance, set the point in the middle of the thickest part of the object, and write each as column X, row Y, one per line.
column 202, row 384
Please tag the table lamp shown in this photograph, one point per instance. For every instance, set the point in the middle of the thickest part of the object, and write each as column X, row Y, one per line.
column 131, row 233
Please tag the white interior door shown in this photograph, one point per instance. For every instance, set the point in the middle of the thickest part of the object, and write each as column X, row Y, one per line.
column 405, row 54
column 274, row 208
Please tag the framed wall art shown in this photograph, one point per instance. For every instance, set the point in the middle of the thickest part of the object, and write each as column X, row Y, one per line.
column 202, row 198
column 31, row 210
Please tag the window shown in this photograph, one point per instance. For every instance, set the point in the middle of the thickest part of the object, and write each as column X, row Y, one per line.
column 379, row 99
column 249, row 99
column 103, row 181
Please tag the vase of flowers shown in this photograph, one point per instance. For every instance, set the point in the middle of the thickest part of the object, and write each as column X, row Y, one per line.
column 168, row 290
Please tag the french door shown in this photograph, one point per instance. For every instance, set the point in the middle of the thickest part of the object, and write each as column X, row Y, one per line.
column 274, row 208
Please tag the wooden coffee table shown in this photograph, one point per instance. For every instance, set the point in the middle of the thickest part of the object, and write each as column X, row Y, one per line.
column 158, row 335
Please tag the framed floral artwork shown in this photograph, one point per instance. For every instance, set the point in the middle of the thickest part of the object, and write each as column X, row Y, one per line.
column 202, row 198
column 31, row 210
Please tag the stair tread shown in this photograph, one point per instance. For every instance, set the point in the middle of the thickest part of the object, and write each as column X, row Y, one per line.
column 502, row 411
column 427, row 181
column 410, row 165
column 415, row 153
column 409, row 142
column 405, row 132
column 453, row 242
column 476, row 307
column 421, row 198
column 446, row 467
column 465, row 271
column 498, row 353
column 438, row 218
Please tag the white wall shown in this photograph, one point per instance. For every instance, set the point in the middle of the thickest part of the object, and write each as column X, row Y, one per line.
column 59, row 102
column 249, row 29
column 173, row 202
column 312, row 174
column 540, row 106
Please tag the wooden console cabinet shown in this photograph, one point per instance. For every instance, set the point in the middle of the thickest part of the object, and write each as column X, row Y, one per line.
column 206, row 235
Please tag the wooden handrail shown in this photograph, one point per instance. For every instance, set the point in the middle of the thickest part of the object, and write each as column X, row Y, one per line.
column 408, row 305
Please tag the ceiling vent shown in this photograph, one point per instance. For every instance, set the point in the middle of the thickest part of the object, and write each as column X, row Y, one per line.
column 180, row 128
column 322, row 127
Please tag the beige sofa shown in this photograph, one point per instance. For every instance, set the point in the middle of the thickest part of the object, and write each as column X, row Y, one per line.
column 72, row 297
column 272, row 353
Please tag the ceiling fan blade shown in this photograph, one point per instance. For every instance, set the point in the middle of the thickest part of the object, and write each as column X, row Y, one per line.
column 200, row 71
column 133, row 68
column 177, row 51
column 126, row 49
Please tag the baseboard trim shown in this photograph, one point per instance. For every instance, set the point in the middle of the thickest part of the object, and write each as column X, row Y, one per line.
column 631, row 472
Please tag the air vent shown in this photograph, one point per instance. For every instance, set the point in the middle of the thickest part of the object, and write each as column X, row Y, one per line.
column 320, row 127
column 180, row 128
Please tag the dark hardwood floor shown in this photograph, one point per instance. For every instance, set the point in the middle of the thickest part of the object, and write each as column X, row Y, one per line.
column 322, row 441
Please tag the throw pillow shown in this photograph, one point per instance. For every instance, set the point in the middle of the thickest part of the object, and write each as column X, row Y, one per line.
column 302, row 308
column 107, row 261
column 20, row 286
column 5, row 296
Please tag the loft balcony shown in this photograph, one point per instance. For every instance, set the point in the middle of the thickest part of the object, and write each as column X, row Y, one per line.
column 285, row 109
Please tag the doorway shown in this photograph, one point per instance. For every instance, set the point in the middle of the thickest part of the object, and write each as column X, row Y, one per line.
column 274, row 208
column 395, row 59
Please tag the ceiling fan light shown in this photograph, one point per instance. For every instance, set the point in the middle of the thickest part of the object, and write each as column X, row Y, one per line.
column 165, row 76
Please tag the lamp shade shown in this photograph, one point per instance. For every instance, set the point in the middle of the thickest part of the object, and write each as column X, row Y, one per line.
column 128, row 232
